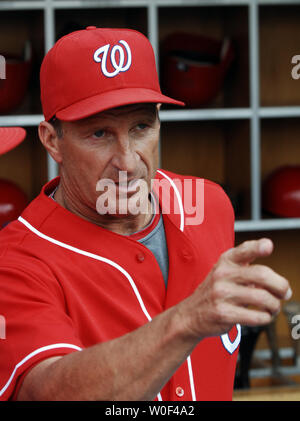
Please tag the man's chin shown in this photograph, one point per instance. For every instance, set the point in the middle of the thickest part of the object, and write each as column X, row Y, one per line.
column 126, row 206
column 122, row 213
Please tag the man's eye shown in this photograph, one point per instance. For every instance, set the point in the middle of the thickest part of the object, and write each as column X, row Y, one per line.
column 142, row 126
column 98, row 134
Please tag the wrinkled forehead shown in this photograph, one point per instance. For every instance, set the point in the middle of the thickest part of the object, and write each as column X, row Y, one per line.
column 128, row 111
column 115, row 116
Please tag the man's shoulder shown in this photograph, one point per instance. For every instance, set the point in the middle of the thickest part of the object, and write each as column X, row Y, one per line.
column 174, row 177
column 197, row 190
column 16, row 238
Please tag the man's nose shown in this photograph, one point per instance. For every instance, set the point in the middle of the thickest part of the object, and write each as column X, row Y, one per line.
column 124, row 156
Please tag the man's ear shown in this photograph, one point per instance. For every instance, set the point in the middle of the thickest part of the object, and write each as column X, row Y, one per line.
column 50, row 140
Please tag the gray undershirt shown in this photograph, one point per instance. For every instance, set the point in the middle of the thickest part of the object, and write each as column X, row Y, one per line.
column 156, row 242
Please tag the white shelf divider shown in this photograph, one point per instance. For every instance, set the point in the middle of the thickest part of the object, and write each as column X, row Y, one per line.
column 254, row 103
column 49, row 16
column 267, row 224
column 184, row 114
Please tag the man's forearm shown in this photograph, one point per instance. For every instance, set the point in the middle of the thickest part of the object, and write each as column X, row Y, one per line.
column 133, row 367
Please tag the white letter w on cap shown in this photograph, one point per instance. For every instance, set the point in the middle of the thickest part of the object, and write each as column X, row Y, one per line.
column 120, row 66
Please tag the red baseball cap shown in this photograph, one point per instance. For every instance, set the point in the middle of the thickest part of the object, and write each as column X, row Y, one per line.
column 10, row 137
column 95, row 69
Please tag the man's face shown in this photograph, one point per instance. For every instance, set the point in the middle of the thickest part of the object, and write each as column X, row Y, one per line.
column 99, row 147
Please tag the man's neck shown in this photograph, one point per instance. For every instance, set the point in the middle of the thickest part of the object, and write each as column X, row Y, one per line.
column 120, row 224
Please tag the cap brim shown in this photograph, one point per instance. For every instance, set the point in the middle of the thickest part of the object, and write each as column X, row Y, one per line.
column 113, row 99
column 10, row 137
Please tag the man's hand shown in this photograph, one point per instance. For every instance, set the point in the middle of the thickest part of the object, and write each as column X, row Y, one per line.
column 237, row 291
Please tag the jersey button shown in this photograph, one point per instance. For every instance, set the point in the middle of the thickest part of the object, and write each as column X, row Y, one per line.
column 186, row 256
column 140, row 257
column 179, row 391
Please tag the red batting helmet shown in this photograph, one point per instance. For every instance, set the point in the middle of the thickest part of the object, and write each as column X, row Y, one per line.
column 281, row 192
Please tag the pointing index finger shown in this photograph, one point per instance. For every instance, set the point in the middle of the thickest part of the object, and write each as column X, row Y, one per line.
column 248, row 251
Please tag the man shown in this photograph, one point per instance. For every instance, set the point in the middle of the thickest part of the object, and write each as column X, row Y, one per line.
column 122, row 299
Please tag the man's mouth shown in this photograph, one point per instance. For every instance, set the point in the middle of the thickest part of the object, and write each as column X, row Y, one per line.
column 128, row 187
